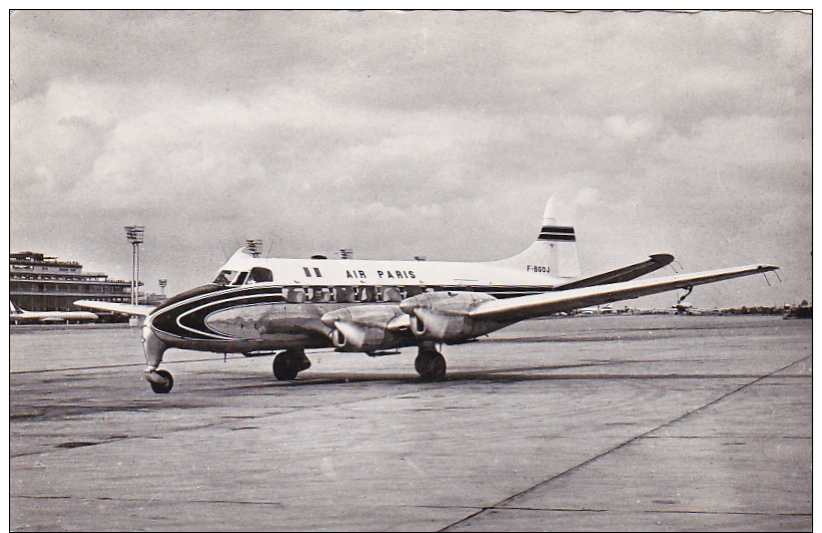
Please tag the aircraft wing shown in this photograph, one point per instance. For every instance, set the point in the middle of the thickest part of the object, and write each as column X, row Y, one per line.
column 128, row 309
column 523, row 307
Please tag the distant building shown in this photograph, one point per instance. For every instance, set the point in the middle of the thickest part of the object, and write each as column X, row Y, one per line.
column 39, row 283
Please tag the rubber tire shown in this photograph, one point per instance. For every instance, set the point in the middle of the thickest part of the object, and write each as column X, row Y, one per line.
column 163, row 388
column 284, row 367
column 430, row 365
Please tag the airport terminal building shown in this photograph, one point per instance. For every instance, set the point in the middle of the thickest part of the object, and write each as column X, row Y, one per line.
column 40, row 283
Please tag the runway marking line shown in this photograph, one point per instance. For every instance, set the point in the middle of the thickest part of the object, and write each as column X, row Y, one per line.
column 114, row 365
column 497, row 506
column 146, row 500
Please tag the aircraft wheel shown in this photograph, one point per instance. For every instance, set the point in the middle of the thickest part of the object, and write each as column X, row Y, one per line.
column 165, row 387
column 289, row 363
column 430, row 365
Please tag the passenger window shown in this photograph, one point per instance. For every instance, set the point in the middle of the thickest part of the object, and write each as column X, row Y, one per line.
column 412, row 291
column 321, row 294
column 368, row 294
column 391, row 294
column 295, row 295
column 344, row 294
column 240, row 279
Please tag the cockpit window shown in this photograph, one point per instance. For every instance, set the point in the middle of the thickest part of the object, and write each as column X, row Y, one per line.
column 259, row 275
column 230, row 277
column 238, row 277
column 224, row 277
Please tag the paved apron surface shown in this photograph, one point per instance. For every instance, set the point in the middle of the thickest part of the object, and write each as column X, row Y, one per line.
column 597, row 423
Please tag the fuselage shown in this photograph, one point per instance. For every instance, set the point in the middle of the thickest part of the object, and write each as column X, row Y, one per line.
column 259, row 305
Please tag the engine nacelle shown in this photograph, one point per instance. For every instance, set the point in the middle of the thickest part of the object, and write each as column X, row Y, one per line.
column 364, row 328
column 427, row 324
column 448, row 302
column 350, row 337
column 444, row 316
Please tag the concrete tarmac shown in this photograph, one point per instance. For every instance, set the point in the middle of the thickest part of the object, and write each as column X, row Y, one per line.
column 630, row 423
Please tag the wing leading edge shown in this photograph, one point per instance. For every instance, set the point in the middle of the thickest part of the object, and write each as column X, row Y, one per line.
column 523, row 307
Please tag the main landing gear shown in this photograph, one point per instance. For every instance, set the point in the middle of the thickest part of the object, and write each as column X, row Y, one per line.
column 289, row 363
column 430, row 364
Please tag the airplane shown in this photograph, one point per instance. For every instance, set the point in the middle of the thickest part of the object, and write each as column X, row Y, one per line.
column 273, row 306
column 687, row 308
column 607, row 309
column 18, row 315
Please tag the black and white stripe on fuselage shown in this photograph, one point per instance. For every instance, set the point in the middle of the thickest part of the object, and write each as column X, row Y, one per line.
column 187, row 319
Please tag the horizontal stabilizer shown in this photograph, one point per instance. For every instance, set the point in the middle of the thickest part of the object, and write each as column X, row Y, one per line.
column 522, row 307
column 628, row 273
column 128, row 309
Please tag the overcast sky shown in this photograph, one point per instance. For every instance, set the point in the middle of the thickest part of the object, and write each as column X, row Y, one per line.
column 398, row 134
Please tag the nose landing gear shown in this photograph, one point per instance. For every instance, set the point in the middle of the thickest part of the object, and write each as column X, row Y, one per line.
column 160, row 380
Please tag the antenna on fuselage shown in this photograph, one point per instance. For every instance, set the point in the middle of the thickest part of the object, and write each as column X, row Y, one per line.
column 224, row 252
column 233, row 247
column 271, row 240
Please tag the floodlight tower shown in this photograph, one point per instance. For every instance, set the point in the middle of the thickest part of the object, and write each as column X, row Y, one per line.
column 134, row 234
column 163, row 284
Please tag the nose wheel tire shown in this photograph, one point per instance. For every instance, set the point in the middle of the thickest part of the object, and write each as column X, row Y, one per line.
column 430, row 365
column 166, row 385
column 289, row 363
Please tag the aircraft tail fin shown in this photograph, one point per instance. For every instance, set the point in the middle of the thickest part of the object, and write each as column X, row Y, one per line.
column 13, row 309
column 554, row 252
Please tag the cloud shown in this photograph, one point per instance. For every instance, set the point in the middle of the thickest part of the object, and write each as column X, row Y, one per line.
column 411, row 133
column 635, row 130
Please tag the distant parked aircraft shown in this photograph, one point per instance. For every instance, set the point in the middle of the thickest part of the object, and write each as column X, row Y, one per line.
column 19, row 316
column 687, row 308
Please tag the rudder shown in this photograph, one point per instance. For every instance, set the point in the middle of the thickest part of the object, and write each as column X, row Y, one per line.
column 554, row 252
